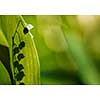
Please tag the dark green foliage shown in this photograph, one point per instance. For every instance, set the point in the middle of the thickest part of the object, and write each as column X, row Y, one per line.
column 5, row 58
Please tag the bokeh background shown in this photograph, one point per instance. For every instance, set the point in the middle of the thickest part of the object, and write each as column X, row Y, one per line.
column 68, row 48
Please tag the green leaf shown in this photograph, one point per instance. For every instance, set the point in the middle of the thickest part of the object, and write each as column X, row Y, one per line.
column 5, row 59
column 30, row 62
column 3, row 40
column 4, row 75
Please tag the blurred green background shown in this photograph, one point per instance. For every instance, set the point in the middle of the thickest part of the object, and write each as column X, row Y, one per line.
column 68, row 48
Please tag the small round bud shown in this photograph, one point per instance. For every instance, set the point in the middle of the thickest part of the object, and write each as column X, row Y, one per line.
column 20, row 76
column 21, row 45
column 15, row 50
column 21, row 84
column 20, row 67
column 20, row 56
column 15, row 63
column 27, row 28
